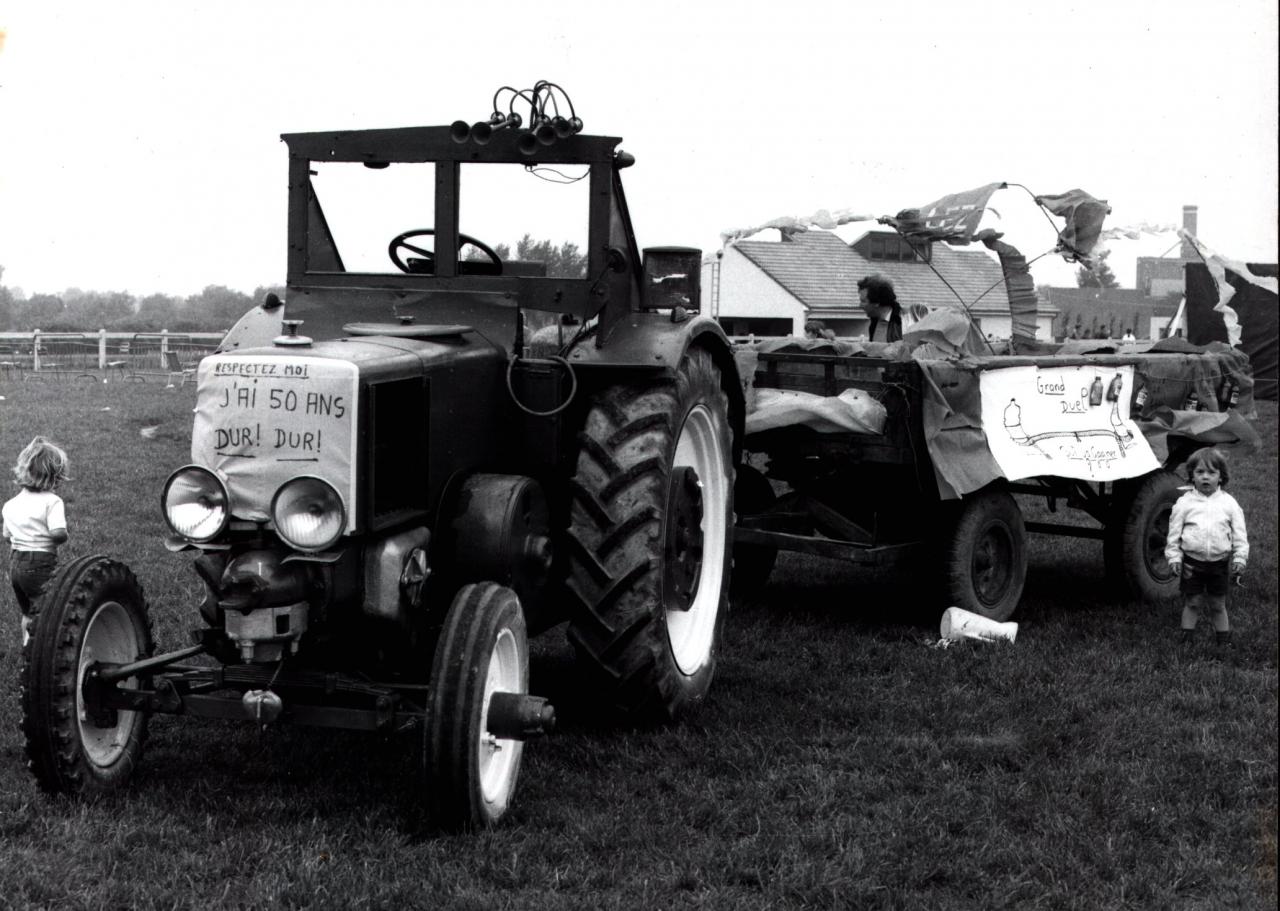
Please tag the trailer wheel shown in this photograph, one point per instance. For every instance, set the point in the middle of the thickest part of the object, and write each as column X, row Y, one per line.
column 1134, row 541
column 752, row 563
column 986, row 555
column 483, row 649
column 650, row 532
column 93, row 610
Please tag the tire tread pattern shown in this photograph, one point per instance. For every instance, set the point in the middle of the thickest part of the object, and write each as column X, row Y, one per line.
column 479, row 610
column 977, row 509
column 1124, row 547
column 617, row 624
column 50, row 676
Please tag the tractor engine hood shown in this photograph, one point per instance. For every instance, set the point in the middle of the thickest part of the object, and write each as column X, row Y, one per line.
column 267, row 415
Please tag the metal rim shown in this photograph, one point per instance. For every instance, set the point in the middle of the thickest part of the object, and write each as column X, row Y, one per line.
column 691, row 632
column 498, row 759
column 992, row 563
column 110, row 636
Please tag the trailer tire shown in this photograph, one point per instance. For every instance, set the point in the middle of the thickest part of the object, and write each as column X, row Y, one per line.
column 650, row 533
column 93, row 610
column 985, row 555
column 1134, row 541
column 752, row 563
column 483, row 648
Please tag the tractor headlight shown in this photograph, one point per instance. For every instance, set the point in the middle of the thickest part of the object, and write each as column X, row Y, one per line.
column 195, row 503
column 308, row 513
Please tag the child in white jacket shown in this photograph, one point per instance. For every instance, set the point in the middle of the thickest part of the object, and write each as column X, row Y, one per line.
column 35, row 525
column 1207, row 545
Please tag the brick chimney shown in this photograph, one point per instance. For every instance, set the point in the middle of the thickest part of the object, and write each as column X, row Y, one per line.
column 1189, row 225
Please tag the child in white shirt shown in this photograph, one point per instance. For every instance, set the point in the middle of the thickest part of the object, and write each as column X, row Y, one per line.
column 1207, row 542
column 35, row 524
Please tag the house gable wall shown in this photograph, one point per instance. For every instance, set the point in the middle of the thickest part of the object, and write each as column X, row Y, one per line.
column 748, row 292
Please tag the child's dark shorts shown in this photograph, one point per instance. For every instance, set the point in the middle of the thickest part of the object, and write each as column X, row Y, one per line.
column 1204, row 577
column 30, row 572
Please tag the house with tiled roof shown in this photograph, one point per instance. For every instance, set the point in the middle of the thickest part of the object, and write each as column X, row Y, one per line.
column 763, row 287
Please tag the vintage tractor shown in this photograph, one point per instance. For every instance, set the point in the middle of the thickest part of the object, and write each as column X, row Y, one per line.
column 440, row 450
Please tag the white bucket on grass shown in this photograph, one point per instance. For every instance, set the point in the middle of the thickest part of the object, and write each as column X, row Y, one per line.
column 958, row 623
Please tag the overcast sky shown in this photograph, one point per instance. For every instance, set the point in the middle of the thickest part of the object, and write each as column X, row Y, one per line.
column 139, row 141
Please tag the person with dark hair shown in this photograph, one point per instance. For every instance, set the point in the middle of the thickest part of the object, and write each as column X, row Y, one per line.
column 880, row 302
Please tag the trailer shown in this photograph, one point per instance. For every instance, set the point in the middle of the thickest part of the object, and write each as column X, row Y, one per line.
column 884, row 454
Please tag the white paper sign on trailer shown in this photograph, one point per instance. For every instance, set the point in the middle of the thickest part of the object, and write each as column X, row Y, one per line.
column 1070, row 421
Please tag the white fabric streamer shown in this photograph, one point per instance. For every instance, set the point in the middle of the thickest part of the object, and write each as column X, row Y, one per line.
column 823, row 219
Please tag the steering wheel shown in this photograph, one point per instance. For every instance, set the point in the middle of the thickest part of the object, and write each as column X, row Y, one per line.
column 428, row 267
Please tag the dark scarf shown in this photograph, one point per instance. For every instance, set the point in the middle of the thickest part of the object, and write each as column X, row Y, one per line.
column 895, row 326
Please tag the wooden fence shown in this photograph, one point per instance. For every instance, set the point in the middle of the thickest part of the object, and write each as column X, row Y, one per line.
column 134, row 354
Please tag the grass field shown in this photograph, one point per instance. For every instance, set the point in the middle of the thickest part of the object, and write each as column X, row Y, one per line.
column 840, row 762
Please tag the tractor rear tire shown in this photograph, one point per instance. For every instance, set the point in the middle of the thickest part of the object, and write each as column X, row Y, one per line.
column 1134, row 541
column 985, row 556
column 93, row 610
column 650, row 535
column 483, row 649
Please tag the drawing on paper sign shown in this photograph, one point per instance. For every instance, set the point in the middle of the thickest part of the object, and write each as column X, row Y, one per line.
column 1065, row 421
column 1116, row 429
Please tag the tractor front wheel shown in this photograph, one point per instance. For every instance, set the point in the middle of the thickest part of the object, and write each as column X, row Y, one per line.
column 650, row 539
column 93, row 611
column 483, row 649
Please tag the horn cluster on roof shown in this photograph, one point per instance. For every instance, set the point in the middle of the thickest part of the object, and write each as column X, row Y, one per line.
column 545, row 125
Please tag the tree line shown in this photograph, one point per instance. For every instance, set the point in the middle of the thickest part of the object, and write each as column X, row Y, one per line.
column 215, row 309
column 562, row 261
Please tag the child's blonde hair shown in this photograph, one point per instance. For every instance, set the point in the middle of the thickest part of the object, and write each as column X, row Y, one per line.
column 1213, row 459
column 41, row 465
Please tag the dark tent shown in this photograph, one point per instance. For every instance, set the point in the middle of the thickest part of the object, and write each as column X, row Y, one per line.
column 1257, row 310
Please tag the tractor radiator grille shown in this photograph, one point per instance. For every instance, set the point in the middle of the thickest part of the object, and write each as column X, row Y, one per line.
column 398, row 468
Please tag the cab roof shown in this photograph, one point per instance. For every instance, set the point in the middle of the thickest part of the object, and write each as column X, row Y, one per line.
column 419, row 144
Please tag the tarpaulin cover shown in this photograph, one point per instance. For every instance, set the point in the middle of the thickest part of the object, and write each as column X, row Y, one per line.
column 943, row 334
column 852, row 410
column 957, row 442
column 1023, row 300
column 1257, row 311
column 1183, row 389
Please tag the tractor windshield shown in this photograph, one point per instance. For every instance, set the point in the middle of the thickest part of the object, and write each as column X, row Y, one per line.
column 513, row 219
